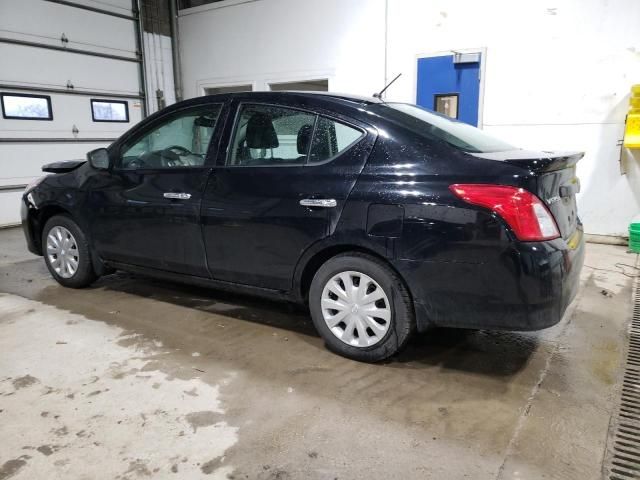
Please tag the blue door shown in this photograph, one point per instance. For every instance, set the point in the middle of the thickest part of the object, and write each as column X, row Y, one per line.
column 450, row 87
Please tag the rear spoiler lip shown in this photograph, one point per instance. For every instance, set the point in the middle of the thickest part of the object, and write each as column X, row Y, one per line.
column 536, row 162
column 62, row 167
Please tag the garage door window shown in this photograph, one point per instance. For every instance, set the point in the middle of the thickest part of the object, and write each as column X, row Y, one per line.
column 181, row 140
column 109, row 111
column 18, row 106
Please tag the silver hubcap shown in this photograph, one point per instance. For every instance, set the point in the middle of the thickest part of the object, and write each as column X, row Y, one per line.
column 356, row 309
column 62, row 252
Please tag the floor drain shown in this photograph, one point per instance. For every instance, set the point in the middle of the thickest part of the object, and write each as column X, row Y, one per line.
column 624, row 446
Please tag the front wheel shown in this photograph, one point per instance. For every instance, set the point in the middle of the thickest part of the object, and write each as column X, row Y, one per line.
column 361, row 307
column 66, row 252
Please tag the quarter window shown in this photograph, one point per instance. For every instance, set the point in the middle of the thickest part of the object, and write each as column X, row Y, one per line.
column 109, row 111
column 268, row 135
column 180, row 141
column 20, row 106
column 332, row 138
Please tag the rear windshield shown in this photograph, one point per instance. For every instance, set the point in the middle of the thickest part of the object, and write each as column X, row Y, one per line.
column 455, row 133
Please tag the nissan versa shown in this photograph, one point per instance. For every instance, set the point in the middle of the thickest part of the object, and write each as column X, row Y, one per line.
column 384, row 218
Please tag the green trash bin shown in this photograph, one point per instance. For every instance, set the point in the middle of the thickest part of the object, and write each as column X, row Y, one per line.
column 634, row 237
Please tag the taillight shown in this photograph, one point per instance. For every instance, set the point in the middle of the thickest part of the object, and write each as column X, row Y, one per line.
column 527, row 216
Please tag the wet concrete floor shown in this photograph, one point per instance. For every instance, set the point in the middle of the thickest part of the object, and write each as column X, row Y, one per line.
column 140, row 378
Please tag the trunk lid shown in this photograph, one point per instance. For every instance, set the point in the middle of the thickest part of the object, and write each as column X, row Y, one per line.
column 557, row 183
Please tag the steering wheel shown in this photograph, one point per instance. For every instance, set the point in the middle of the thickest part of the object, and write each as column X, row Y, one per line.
column 172, row 156
column 178, row 150
column 136, row 164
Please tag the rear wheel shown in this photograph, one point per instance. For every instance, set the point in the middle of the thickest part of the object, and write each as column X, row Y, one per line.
column 66, row 252
column 361, row 307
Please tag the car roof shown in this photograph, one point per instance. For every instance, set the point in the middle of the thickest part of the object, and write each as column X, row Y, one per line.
column 332, row 97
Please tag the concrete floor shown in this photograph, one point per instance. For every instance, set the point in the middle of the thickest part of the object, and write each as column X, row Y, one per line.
column 138, row 378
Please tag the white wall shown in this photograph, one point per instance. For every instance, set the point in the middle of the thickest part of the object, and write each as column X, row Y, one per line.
column 557, row 77
column 283, row 40
column 158, row 70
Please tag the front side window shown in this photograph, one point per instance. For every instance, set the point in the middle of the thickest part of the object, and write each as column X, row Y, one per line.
column 268, row 135
column 180, row 141
column 19, row 106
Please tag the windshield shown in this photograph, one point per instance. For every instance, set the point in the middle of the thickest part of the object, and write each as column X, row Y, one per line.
column 455, row 133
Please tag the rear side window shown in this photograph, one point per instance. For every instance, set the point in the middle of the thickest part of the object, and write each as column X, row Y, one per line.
column 332, row 138
column 267, row 135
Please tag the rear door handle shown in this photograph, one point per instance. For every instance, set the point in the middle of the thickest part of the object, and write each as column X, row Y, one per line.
column 318, row 202
column 177, row 196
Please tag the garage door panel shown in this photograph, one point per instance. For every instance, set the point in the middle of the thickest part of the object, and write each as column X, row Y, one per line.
column 122, row 7
column 10, row 207
column 24, row 161
column 110, row 35
column 41, row 66
column 69, row 111
column 84, row 72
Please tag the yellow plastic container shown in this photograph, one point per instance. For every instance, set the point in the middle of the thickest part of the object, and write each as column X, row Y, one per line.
column 632, row 128
column 632, row 131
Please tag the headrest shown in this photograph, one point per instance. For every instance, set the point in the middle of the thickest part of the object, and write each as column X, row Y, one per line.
column 260, row 132
column 304, row 139
column 205, row 121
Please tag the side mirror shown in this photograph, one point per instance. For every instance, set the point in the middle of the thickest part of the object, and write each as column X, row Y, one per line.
column 99, row 159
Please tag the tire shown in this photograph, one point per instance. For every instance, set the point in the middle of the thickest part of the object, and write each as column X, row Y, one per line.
column 367, row 341
column 68, row 235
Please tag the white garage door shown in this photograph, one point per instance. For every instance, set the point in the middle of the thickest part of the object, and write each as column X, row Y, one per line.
column 70, row 81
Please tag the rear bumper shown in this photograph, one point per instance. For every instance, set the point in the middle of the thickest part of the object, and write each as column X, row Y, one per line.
column 526, row 287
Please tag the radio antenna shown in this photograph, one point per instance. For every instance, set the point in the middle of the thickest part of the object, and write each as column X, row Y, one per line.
column 379, row 94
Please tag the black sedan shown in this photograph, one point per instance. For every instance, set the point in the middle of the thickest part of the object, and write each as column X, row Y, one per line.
column 384, row 218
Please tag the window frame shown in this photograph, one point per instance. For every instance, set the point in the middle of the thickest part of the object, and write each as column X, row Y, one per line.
column 316, row 114
column 136, row 134
column 126, row 110
column 26, row 95
column 437, row 96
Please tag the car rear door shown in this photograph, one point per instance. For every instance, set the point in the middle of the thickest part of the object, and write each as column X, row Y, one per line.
column 146, row 210
column 283, row 183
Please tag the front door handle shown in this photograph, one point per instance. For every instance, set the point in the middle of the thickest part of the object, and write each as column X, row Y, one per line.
column 318, row 202
column 177, row 196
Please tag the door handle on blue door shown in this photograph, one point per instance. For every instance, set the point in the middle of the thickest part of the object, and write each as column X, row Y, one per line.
column 318, row 202
column 177, row 196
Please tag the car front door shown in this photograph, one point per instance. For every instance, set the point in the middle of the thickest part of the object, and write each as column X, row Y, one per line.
column 145, row 211
column 280, row 188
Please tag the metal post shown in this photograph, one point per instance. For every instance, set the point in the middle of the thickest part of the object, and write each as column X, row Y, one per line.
column 175, row 50
column 137, row 10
